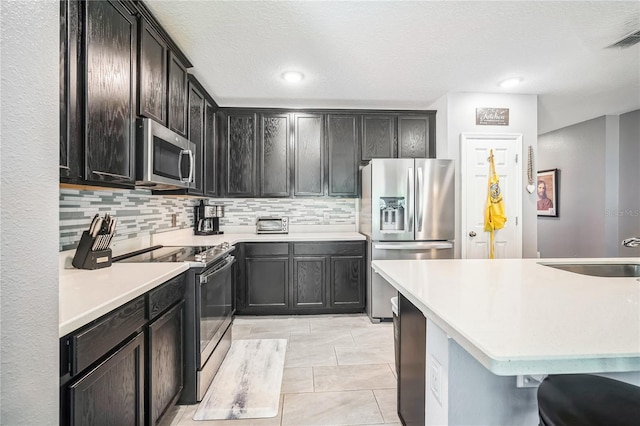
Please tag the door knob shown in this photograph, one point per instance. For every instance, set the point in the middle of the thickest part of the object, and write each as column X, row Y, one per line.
column 472, row 234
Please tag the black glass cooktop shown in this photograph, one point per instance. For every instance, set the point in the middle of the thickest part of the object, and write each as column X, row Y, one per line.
column 198, row 254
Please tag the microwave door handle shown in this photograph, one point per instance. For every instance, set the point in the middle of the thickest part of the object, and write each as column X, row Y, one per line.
column 182, row 152
column 191, row 166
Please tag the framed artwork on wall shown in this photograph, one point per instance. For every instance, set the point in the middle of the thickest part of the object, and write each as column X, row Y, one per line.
column 548, row 193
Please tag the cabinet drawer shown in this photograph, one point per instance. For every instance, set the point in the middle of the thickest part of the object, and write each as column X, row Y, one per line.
column 266, row 249
column 347, row 248
column 166, row 295
column 92, row 343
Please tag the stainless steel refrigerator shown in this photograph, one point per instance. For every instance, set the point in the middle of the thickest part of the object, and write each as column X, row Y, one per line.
column 406, row 212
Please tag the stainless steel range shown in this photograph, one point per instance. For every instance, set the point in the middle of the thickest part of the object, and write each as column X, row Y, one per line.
column 208, row 312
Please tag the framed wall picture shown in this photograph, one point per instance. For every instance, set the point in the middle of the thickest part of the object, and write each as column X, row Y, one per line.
column 547, row 189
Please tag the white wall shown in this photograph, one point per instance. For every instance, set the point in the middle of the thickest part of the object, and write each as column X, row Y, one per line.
column 460, row 118
column 29, row 213
column 599, row 192
column 629, row 181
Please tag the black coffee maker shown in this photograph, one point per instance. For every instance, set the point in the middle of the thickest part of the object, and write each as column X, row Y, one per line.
column 207, row 219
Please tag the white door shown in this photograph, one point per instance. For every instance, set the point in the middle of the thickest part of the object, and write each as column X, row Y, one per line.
column 507, row 155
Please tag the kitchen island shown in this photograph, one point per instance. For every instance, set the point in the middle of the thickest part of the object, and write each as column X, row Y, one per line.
column 492, row 324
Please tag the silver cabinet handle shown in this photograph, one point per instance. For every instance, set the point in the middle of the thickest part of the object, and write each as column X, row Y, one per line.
column 472, row 234
column 419, row 199
column 410, row 207
column 439, row 245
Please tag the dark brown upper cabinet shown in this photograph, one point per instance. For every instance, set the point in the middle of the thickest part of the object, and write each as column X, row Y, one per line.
column 398, row 135
column 415, row 136
column 274, row 155
column 110, row 47
column 162, row 75
column 152, row 74
column 196, row 133
column 378, row 136
column 309, row 154
column 240, row 153
column 70, row 90
column 177, row 99
column 210, row 150
column 344, row 155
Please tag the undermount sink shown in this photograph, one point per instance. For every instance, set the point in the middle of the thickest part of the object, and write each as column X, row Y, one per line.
column 628, row 270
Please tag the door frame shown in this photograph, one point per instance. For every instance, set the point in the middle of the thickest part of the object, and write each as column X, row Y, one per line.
column 466, row 139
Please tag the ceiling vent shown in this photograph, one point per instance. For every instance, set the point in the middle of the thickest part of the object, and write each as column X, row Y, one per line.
column 628, row 41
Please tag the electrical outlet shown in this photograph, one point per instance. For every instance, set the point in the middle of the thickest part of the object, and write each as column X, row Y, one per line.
column 326, row 217
column 173, row 220
column 435, row 378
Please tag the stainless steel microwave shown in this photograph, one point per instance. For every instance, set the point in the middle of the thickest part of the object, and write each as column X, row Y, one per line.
column 272, row 225
column 164, row 159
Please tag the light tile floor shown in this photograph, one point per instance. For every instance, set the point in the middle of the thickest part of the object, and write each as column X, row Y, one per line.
column 339, row 370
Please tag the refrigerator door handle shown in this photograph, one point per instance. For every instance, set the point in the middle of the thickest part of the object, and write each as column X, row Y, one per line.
column 410, row 206
column 438, row 245
column 419, row 202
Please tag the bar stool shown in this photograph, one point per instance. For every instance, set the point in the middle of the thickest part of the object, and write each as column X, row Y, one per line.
column 587, row 400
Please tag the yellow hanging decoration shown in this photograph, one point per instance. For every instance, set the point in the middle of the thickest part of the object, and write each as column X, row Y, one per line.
column 494, row 217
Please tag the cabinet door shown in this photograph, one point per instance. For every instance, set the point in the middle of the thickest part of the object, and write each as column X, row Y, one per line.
column 152, row 74
column 347, row 282
column 309, row 149
column 411, row 375
column 267, row 283
column 112, row 393
column 378, row 137
column 164, row 368
column 110, row 70
column 413, row 137
column 240, row 144
column 275, row 162
column 177, row 99
column 71, row 130
column 196, row 132
column 343, row 155
column 309, row 282
column 210, row 151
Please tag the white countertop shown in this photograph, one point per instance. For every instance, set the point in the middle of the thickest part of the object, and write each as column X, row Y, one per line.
column 186, row 237
column 86, row 295
column 518, row 317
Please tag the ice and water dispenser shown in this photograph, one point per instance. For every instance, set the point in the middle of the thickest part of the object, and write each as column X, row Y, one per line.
column 392, row 213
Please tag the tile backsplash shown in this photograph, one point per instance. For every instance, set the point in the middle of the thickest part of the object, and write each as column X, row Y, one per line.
column 141, row 213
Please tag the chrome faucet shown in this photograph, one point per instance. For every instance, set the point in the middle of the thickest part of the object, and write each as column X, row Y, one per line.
column 631, row 242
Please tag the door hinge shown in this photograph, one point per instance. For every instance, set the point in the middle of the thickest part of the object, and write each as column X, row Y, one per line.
column 516, row 220
column 516, row 158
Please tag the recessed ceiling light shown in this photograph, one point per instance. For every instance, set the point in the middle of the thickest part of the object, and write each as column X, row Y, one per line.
column 293, row 76
column 511, row 82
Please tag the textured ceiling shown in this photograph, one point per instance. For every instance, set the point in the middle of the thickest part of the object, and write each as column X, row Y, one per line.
column 405, row 55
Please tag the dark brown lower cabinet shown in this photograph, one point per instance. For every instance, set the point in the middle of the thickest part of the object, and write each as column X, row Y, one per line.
column 309, row 282
column 126, row 367
column 318, row 277
column 111, row 393
column 411, row 374
column 164, row 362
column 346, row 288
column 267, row 284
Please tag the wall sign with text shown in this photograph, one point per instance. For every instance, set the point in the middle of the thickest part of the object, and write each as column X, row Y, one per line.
column 492, row 116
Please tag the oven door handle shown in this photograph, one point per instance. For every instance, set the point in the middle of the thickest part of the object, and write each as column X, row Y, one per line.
column 230, row 261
